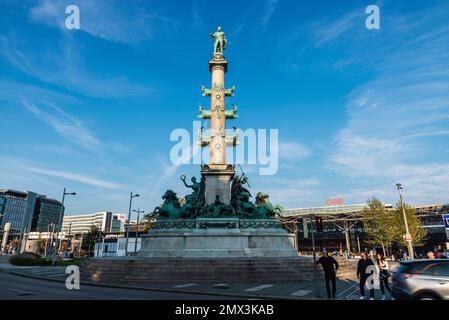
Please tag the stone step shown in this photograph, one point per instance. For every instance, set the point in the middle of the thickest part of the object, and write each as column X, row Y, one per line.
column 276, row 270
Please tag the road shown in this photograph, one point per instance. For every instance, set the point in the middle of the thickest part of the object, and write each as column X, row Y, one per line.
column 14, row 287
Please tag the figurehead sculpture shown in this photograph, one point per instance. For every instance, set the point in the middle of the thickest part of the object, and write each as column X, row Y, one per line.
column 219, row 41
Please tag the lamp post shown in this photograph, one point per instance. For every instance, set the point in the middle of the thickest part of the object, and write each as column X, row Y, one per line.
column 61, row 213
column 409, row 242
column 315, row 271
column 131, row 196
column 137, row 229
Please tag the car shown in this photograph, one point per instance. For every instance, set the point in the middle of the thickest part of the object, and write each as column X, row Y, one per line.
column 421, row 280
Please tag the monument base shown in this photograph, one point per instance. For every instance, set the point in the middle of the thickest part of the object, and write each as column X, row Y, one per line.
column 218, row 182
column 217, row 238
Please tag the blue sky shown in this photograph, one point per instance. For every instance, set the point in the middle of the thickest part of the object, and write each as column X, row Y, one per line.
column 357, row 110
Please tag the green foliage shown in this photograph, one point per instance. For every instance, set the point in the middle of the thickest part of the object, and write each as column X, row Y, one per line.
column 93, row 236
column 29, row 259
column 76, row 262
column 379, row 223
column 147, row 222
column 419, row 234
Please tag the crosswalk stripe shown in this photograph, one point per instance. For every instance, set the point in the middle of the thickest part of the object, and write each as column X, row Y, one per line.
column 221, row 285
column 264, row 286
column 185, row 285
column 300, row 293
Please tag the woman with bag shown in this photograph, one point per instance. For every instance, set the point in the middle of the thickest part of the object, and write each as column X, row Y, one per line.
column 382, row 264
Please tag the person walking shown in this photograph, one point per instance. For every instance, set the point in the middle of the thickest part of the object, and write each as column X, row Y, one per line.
column 328, row 264
column 362, row 267
column 384, row 274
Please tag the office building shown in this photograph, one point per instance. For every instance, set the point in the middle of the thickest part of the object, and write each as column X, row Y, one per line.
column 105, row 221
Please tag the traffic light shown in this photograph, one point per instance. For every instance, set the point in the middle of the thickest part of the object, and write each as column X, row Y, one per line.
column 319, row 224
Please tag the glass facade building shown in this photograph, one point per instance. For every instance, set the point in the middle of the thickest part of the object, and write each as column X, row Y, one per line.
column 27, row 211
column 2, row 208
column 46, row 212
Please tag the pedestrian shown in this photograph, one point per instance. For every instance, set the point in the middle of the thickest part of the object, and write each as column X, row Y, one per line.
column 445, row 254
column 430, row 255
column 362, row 267
column 328, row 264
column 384, row 274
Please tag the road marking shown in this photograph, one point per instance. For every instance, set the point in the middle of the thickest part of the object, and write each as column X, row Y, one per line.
column 22, row 292
column 221, row 285
column 264, row 286
column 352, row 293
column 185, row 285
column 300, row 293
column 346, row 290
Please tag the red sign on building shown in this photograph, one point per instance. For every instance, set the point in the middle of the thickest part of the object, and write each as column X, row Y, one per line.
column 334, row 202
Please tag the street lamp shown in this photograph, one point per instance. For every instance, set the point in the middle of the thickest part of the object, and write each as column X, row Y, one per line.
column 131, row 196
column 61, row 213
column 409, row 242
column 137, row 230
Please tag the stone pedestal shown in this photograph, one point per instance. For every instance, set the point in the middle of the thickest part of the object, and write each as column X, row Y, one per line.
column 217, row 238
column 218, row 182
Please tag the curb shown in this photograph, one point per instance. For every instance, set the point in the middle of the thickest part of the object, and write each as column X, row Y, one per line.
column 225, row 294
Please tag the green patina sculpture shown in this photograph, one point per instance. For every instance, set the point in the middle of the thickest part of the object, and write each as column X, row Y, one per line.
column 196, row 200
column 218, row 209
column 264, row 207
column 170, row 207
column 195, row 204
column 229, row 114
column 219, row 41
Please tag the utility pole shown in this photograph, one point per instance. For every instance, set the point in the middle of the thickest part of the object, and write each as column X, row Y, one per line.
column 61, row 214
column 137, row 230
column 131, row 196
column 317, row 294
column 69, row 246
column 407, row 231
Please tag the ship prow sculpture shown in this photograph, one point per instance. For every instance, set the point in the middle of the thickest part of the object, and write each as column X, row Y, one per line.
column 217, row 219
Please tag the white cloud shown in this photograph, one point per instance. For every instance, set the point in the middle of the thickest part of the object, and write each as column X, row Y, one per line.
column 75, row 177
column 66, row 125
column 270, row 8
column 63, row 66
column 397, row 121
column 291, row 151
column 111, row 20
column 327, row 31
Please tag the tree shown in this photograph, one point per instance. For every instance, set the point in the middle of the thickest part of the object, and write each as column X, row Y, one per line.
column 148, row 222
column 418, row 233
column 379, row 224
column 92, row 237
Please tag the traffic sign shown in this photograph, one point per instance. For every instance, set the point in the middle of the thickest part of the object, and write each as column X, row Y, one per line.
column 407, row 237
column 446, row 221
column 446, row 224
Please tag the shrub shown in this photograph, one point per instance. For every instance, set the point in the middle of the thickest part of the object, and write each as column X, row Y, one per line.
column 29, row 259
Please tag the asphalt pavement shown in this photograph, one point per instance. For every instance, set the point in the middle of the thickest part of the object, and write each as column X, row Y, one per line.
column 15, row 287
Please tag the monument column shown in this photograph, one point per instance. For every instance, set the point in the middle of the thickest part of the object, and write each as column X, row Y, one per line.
column 218, row 107
column 218, row 174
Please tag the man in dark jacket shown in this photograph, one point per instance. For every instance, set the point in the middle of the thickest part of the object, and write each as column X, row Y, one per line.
column 362, row 275
column 329, row 272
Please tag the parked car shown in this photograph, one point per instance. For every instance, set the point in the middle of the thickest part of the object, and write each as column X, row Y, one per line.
column 421, row 280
